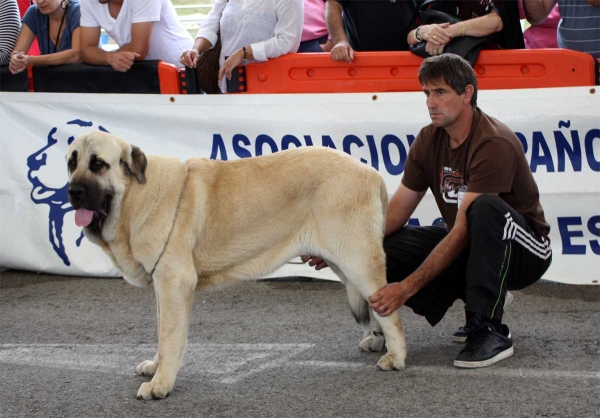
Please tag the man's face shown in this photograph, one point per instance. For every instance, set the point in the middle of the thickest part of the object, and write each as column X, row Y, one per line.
column 444, row 104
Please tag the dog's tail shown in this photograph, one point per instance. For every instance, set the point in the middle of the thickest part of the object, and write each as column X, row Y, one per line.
column 358, row 305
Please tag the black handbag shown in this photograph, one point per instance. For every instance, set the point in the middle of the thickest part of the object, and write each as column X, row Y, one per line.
column 467, row 47
column 207, row 69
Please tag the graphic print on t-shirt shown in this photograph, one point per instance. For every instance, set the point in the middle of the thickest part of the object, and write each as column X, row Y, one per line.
column 450, row 182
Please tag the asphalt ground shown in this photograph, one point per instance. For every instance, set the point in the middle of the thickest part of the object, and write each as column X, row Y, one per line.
column 283, row 348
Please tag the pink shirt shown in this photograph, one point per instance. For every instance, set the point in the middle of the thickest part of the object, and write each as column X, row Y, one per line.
column 314, row 20
column 544, row 34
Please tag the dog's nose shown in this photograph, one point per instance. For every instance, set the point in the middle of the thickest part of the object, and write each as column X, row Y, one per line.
column 76, row 191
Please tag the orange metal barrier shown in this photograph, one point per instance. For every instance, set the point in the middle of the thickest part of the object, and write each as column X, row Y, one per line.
column 168, row 76
column 397, row 71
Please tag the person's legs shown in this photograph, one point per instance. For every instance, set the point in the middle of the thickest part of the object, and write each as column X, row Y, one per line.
column 406, row 249
column 461, row 334
column 310, row 46
column 505, row 253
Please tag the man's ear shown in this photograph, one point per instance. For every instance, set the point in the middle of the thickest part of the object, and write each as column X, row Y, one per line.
column 469, row 90
column 136, row 162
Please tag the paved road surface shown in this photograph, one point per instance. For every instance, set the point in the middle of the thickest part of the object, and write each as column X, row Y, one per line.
column 69, row 346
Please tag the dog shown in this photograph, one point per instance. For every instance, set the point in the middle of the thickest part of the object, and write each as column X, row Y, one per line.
column 188, row 225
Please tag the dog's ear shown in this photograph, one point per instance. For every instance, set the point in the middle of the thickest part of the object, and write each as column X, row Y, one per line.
column 136, row 162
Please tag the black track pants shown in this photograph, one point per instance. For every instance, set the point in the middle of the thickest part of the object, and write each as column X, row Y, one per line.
column 503, row 254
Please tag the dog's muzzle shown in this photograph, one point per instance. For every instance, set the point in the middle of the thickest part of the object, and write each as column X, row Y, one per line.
column 89, row 207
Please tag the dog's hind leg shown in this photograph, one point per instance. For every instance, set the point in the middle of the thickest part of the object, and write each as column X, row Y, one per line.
column 148, row 367
column 359, row 307
column 175, row 286
column 373, row 338
column 366, row 271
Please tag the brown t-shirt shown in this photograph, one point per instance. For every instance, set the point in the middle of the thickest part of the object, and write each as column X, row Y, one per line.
column 491, row 160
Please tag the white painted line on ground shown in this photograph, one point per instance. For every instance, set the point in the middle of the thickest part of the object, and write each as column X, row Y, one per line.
column 497, row 371
column 227, row 363
column 269, row 365
column 330, row 364
column 232, row 363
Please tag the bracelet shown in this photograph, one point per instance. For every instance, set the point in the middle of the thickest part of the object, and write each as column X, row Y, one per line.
column 417, row 37
column 461, row 25
column 244, row 49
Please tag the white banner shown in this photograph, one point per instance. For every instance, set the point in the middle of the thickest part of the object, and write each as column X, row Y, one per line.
column 559, row 128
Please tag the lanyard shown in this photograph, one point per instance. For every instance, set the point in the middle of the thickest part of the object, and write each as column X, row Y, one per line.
column 59, row 28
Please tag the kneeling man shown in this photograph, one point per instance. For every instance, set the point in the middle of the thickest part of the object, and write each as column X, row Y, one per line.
column 495, row 236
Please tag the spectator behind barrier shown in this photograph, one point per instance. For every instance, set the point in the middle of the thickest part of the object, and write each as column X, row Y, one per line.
column 143, row 29
column 579, row 27
column 23, row 7
column 544, row 34
column 10, row 24
column 368, row 26
column 315, row 37
column 55, row 23
column 499, row 19
column 249, row 30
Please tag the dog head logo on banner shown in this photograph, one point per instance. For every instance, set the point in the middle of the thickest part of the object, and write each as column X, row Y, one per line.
column 47, row 187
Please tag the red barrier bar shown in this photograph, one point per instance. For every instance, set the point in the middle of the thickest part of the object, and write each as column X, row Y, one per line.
column 168, row 76
column 397, row 71
column 30, row 77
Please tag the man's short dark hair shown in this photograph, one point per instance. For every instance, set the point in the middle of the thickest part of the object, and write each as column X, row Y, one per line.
column 453, row 70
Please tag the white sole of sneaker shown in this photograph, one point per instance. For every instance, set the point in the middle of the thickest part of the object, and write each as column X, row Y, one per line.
column 478, row 364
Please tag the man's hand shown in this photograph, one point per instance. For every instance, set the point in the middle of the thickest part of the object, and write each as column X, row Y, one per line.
column 317, row 262
column 327, row 46
column 122, row 60
column 230, row 63
column 18, row 62
column 342, row 51
column 190, row 58
column 388, row 299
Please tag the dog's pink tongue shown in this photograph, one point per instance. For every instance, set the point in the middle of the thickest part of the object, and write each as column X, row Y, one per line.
column 83, row 217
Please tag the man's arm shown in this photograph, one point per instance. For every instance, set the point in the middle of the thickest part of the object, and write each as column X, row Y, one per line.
column 394, row 295
column 401, row 207
column 341, row 51
column 140, row 39
column 120, row 60
column 536, row 11
column 90, row 52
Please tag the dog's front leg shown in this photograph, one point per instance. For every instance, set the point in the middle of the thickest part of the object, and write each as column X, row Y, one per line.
column 148, row 367
column 175, row 295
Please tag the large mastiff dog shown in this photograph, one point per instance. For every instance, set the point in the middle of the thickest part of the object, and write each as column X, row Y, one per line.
column 183, row 225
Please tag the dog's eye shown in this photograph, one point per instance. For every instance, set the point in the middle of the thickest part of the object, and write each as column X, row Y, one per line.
column 97, row 165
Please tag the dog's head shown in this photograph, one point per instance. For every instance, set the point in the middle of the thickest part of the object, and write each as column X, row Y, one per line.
column 101, row 166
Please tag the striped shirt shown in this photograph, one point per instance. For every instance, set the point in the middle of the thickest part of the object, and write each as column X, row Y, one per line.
column 10, row 25
column 579, row 28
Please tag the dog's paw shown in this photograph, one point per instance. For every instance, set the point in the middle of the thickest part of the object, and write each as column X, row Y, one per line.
column 372, row 343
column 390, row 362
column 154, row 390
column 146, row 368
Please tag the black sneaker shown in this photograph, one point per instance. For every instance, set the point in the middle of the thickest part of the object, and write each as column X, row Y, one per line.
column 461, row 334
column 485, row 346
